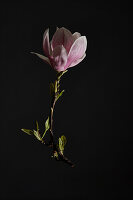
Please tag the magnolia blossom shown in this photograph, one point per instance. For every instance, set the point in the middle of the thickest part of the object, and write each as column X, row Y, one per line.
column 65, row 50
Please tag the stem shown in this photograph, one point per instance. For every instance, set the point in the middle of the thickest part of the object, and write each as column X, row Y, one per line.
column 53, row 101
column 51, row 122
column 60, row 157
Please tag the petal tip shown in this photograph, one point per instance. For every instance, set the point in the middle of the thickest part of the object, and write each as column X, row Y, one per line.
column 46, row 45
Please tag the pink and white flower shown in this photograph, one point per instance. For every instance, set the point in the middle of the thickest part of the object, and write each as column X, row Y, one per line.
column 65, row 50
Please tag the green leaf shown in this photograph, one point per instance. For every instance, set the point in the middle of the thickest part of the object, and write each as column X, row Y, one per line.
column 37, row 135
column 62, row 143
column 64, row 140
column 29, row 132
column 55, row 86
column 47, row 127
column 52, row 89
column 60, row 94
column 47, row 124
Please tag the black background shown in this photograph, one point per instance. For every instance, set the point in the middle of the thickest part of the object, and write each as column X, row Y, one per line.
column 95, row 112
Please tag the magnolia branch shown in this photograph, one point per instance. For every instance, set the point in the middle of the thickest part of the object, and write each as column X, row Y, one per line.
column 57, row 149
column 57, row 154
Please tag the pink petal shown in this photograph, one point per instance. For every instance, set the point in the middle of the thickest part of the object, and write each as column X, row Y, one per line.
column 46, row 47
column 63, row 37
column 45, row 59
column 77, row 61
column 59, row 58
column 77, row 50
column 76, row 35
